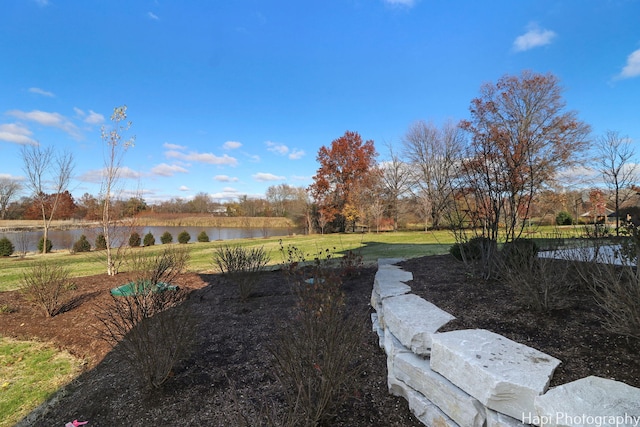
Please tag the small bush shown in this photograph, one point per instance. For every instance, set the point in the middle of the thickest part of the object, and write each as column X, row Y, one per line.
column 241, row 266
column 82, row 245
column 203, row 237
column 6, row 247
column 45, row 285
column 134, row 240
column 101, row 242
column 184, row 237
column 564, row 218
column 519, row 252
column 149, row 240
column 316, row 348
column 154, row 330
column 166, row 238
column 41, row 245
column 472, row 249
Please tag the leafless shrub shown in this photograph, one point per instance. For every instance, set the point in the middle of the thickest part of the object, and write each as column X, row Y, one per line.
column 163, row 267
column 315, row 353
column 152, row 328
column 537, row 281
column 46, row 285
column 241, row 266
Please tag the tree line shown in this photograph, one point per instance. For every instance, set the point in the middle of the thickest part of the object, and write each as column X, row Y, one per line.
column 491, row 172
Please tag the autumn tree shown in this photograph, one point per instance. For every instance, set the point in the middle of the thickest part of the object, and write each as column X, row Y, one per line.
column 115, row 147
column 46, row 173
column 434, row 155
column 614, row 160
column 520, row 137
column 9, row 189
column 343, row 166
column 65, row 206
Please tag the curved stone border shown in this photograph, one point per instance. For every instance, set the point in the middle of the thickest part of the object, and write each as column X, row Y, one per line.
column 476, row 378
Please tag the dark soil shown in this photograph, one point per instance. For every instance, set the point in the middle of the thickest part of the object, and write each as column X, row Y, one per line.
column 229, row 370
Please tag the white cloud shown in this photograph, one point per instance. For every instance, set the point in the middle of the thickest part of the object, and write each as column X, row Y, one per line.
column 232, row 145
column 225, row 178
column 164, row 169
column 42, row 3
column 183, row 188
column 535, row 37
column 276, row 147
column 153, row 16
column 44, row 118
column 296, row 154
column 173, row 146
column 407, row 3
column 632, row 69
column 16, row 134
column 202, row 158
column 262, row 177
column 95, row 176
column 94, row 118
column 42, row 92
column 227, row 193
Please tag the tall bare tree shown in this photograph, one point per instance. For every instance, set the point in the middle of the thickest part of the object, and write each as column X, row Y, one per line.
column 619, row 173
column 395, row 176
column 434, row 154
column 9, row 189
column 116, row 147
column 47, row 174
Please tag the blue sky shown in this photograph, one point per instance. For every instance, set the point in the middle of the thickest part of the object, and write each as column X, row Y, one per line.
column 231, row 97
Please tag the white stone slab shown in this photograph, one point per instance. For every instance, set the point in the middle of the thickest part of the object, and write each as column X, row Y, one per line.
column 590, row 401
column 458, row 405
column 496, row 419
column 389, row 282
column 502, row 374
column 413, row 321
column 426, row 412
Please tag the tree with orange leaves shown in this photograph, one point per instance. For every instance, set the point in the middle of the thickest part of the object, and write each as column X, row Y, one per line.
column 344, row 167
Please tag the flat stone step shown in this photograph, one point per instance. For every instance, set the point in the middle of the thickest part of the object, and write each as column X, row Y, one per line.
column 502, row 374
column 413, row 321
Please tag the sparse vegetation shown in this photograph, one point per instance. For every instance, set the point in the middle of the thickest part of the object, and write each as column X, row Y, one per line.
column 241, row 266
column 46, row 284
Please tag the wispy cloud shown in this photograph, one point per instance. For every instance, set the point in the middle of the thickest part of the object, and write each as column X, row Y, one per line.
column 153, row 16
column 42, row 92
column 283, row 150
column 16, row 134
column 44, row 118
column 406, row 3
column 209, row 158
column 96, row 175
column 231, row 145
column 632, row 68
column 183, row 188
column 164, row 169
column 225, row 178
column 42, row 3
column 534, row 37
column 263, row 177
column 169, row 146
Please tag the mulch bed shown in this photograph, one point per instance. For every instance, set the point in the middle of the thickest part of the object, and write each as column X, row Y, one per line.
column 229, row 371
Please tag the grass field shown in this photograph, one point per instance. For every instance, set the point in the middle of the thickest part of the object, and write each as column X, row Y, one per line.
column 31, row 371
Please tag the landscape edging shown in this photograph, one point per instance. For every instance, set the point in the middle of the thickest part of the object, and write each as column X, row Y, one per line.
column 445, row 391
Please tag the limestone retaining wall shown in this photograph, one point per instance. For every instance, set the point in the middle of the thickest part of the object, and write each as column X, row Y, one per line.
column 476, row 378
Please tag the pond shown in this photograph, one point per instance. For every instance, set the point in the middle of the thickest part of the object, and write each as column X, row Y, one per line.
column 27, row 241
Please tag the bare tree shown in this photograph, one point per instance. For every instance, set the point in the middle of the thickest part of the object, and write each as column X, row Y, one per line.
column 115, row 149
column 434, row 155
column 615, row 153
column 396, row 181
column 47, row 173
column 9, row 189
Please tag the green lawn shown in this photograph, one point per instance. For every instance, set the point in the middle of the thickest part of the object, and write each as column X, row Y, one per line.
column 30, row 372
